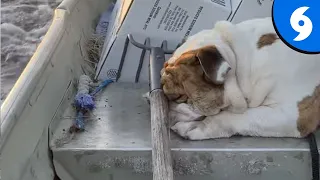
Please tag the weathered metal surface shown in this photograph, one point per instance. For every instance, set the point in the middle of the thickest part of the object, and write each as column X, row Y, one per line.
column 221, row 165
column 117, row 145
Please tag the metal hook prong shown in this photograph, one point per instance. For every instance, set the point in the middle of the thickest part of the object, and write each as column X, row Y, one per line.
column 164, row 45
column 148, row 47
column 139, row 45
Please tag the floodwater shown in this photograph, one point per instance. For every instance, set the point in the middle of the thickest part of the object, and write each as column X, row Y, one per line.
column 23, row 25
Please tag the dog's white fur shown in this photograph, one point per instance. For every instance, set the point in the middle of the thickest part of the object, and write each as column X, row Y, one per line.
column 263, row 86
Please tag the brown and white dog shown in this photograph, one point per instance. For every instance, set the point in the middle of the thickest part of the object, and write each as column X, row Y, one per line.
column 242, row 79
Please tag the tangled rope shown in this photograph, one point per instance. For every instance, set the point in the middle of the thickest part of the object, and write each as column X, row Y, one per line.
column 84, row 101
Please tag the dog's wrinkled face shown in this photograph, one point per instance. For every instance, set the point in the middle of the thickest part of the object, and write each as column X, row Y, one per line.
column 197, row 77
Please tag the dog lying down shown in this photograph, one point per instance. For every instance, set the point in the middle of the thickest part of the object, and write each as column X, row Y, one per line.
column 241, row 79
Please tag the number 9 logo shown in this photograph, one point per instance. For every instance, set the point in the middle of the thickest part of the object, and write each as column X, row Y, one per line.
column 301, row 23
column 297, row 24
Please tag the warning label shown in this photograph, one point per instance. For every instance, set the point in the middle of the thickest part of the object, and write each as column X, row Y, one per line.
column 193, row 22
column 173, row 18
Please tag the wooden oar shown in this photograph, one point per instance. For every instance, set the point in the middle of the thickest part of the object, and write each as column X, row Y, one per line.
column 161, row 152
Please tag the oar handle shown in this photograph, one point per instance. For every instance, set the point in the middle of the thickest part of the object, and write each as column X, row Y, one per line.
column 161, row 152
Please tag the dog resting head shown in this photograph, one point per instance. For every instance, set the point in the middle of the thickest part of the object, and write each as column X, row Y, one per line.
column 197, row 77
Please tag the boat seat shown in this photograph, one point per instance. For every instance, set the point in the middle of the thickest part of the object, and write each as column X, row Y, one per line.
column 116, row 145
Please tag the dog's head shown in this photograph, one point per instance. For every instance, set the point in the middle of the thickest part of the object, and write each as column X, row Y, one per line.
column 197, row 76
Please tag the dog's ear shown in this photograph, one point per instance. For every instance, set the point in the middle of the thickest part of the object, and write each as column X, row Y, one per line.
column 214, row 66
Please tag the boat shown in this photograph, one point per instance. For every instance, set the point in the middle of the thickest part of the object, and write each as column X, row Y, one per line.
column 116, row 144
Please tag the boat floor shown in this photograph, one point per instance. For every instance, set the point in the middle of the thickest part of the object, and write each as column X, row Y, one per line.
column 117, row 139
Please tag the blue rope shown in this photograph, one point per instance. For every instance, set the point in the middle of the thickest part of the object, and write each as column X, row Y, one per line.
column 85, row 102
column 101, row 86
column 79, row 122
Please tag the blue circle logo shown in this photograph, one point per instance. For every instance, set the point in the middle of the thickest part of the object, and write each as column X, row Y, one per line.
column 297, row 23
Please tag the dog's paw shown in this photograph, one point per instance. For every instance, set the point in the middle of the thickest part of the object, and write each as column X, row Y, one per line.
column 195, row 130
column 183, row 112
column 200, row 130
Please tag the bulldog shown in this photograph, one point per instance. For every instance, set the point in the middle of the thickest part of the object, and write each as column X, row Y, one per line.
column 241, row 79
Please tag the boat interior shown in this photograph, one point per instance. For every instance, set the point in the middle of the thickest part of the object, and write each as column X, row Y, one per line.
column 116, row 145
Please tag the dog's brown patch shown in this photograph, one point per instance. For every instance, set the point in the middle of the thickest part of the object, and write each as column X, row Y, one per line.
column 266, row 40
column 187, row 58
column 173, row 74
column 309, row 113
column 184, row 81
